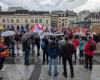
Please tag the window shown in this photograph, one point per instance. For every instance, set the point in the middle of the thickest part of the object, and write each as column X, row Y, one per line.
column 63, row 24
column 7, row 20
column 59, row 25
column 17, row 20
column 3, row 20
column 26, row 20
column 59, row 21
column 40, row 20
column 62, row 19
column 47, row 21
column 32, row 20
column 12, row 21
column 36, row 20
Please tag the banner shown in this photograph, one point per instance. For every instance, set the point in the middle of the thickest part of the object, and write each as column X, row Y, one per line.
column 37, row 28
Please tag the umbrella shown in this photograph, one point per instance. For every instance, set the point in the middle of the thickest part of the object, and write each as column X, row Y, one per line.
column 34, row 34
column 58, row 33
column 48, row 34
column 76, row 33
column 7, row 33
column 26, row 36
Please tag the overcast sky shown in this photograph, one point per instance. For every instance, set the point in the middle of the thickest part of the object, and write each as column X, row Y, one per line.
column 76, row 5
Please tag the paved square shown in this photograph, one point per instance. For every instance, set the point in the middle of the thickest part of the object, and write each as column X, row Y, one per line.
column 80, row 73
column 19, row 72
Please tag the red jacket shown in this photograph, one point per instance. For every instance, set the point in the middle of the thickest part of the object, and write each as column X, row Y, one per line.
column 75, row 43
column 86, row 48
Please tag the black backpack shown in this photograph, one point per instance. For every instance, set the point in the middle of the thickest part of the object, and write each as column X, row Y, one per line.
column 91, row 46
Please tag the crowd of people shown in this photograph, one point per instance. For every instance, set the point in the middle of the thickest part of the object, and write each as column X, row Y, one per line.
column 64, row 49
column 55, row 48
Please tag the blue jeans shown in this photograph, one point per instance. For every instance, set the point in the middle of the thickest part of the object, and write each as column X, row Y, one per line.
column 26, row 58
column 53, row 62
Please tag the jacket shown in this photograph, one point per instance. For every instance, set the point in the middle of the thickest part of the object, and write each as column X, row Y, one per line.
column 86, row 48
column 26, row 45
column 75, row 43
column 81, row 44
column 52, row 50
column 67, row 50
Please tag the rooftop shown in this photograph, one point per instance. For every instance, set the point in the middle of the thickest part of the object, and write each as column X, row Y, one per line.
column 24, row 12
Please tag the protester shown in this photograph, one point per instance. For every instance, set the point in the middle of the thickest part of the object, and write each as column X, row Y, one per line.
column 12, row 46
column 60, row 43
column 52, row 52
column 7, row 41
column 3, row 52
column 33, row 44
column 44, row 46
column 81, row 45
column 98, row 37
column 95, row 38
column 89, row 48
column 17, row 39
column 67, row 52
column 37, row 42
column 26, row 50
column 75, row 42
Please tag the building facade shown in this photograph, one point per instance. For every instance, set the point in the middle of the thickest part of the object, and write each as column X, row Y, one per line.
column 66, row 19
column 0, row 9
column 82, row 15
column 62, row 22
column 71, row 18
column 54, row 19
column 94, row 18
column 21, row 18
column 15, row 8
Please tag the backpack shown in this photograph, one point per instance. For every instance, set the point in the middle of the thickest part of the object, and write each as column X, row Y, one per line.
column 92, row 46
column 4, row 52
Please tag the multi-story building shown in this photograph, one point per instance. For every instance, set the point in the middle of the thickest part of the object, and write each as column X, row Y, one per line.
column 62, row 21
column 82, row 15
column 57, row 12
column 54, row 19
column 15, row 8
column 66, row 18
column 80, row 20
column 94, row 19
column 71, row 18
column 0, row 9
column 21, row 18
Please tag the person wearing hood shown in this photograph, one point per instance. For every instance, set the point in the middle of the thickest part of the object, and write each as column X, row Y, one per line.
column 53, row 53
column 89, row 50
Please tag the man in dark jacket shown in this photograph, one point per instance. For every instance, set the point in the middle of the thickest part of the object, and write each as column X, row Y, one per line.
column 26, row 49
column 12, row 46
column 52, row 52
column 37, row 42
column 66, row 53
column 45, row 40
